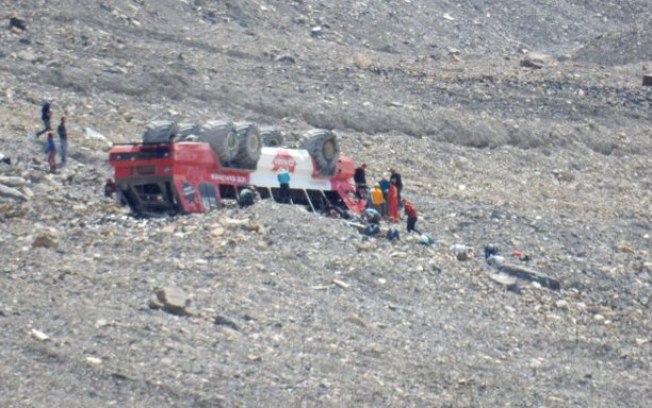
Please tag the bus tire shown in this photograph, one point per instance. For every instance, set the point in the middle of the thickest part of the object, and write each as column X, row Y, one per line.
column 323, row 148
column 248, row 145
column 271, row 137
column 160, row 131
column 185, row 130
column 223, row 139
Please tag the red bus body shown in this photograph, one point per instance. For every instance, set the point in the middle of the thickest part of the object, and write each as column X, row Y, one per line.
column 186, row 177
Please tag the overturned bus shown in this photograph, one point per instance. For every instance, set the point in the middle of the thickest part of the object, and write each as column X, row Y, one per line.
column 186, row 168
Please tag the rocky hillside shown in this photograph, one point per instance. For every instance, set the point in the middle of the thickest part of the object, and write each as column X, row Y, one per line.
column 521, row 124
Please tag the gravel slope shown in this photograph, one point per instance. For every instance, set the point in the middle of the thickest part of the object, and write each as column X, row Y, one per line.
column 291, row 309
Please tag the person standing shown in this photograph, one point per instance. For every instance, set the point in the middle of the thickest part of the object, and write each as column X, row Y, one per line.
column 395, row 177
column 393, row 203
column 377, row 198
column 283, row 177
column 412, row 216
column 52, row 152
column 110, row 188
column 63, row 140
column 46, row 115
column 360, row 179
column 384, row 187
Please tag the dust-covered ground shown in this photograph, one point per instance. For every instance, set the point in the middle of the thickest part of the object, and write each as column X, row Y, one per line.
column 288, row 308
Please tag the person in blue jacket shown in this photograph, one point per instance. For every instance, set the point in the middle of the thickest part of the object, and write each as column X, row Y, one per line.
column 52, row 152
column 283, row 177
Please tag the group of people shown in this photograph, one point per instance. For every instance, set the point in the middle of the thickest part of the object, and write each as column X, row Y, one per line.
column 51, row 147
column 384, row 199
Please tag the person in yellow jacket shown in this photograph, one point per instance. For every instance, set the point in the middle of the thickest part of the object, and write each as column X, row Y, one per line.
column 378, row 200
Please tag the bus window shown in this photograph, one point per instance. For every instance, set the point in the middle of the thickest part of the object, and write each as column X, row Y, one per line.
column 208, row 196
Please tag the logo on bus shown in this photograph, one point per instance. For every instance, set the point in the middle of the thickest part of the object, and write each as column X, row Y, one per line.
column 284, row 160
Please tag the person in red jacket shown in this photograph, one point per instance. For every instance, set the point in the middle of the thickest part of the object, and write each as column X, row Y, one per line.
column 412, row 215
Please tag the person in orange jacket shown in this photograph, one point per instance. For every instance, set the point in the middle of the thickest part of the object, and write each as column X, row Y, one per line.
column 392, row 203
column 412, row 215
column 377, row 198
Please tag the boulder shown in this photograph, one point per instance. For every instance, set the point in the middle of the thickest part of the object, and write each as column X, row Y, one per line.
column 12, row 181
column 10, row 192
column 538, row 60
column 462, row 252
column 45, row 241
column 172, row 300
column 647, row 80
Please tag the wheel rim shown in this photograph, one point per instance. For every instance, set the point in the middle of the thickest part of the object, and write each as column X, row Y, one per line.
column 231, row 141
column 329, row 150
column 253, row 143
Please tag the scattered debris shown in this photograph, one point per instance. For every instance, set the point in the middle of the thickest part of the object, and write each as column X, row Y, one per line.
column 93, row 360
column 529, row 274
column 448, row 17
column 341, row 284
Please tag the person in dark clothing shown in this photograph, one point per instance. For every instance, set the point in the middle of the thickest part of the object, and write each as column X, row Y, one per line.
column 360, row 179
column 46, row 115
column 16, row 22
column 371, row 216
column 246, row 198
column 395, row 178
column 110, row 188
column 63, row 140
column 5, row 159
column 283, row 177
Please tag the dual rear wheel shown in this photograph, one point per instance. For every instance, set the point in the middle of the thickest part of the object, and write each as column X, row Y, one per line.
column 239, row 144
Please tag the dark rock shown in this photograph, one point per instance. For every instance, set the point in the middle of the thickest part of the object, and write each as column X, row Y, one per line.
column 223, row 321
column 17, row 22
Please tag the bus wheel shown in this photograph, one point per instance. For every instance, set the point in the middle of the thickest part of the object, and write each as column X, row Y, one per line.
column 248, row 145
column 160, row 131
column 221, row 135
column 271, row 137
column 187, row 129
column 323, row 147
